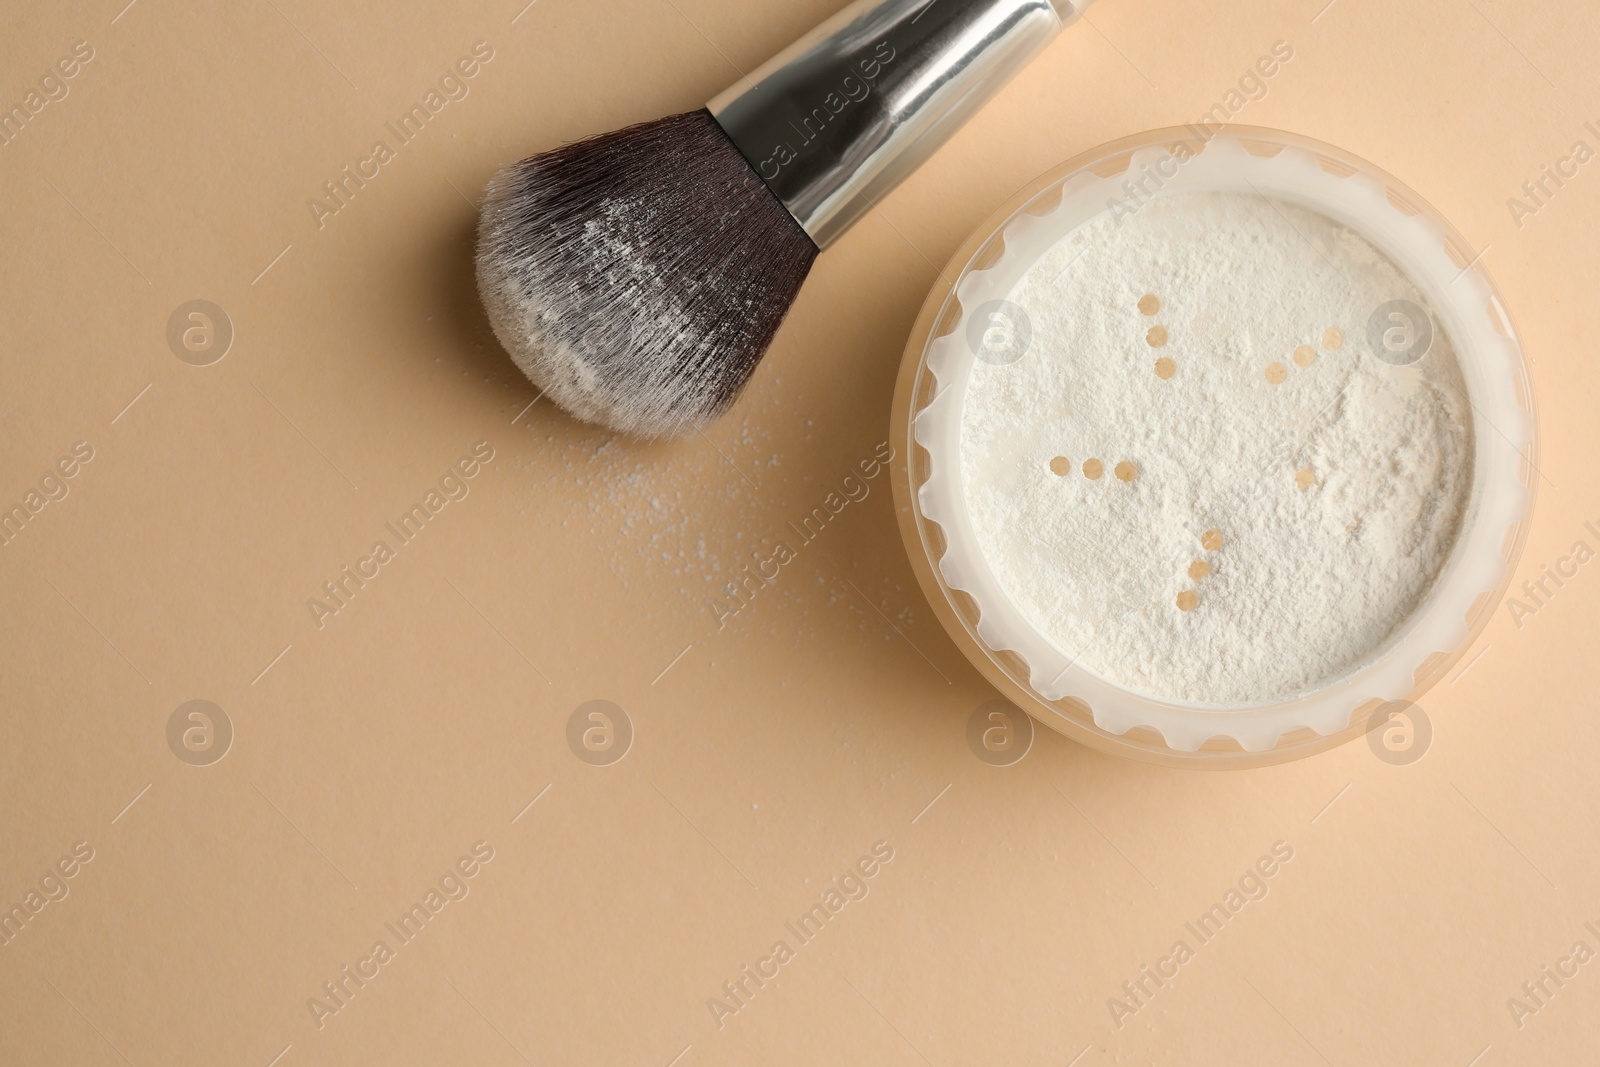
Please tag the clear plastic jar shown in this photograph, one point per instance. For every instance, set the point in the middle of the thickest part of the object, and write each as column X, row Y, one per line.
column 1025, row 662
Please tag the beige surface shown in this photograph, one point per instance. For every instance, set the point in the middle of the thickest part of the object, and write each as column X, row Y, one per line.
column 770, row 756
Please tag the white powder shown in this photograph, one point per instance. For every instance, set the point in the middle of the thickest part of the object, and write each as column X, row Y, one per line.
column 1335, row 481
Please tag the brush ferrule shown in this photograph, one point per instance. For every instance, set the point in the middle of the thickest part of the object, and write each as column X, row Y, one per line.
column 841, row 117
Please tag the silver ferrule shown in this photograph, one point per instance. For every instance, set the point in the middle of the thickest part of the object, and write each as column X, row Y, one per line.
column 841, row 117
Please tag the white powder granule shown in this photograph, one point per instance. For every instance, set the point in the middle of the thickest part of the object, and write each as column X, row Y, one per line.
column 1198, row 479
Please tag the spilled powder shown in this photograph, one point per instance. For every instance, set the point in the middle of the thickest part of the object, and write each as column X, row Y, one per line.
column 1199, row 479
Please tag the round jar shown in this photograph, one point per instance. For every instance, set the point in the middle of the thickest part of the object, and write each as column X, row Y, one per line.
column 1213, row 444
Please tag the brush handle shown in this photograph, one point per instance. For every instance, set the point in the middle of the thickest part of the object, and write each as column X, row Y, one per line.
column 848, row 112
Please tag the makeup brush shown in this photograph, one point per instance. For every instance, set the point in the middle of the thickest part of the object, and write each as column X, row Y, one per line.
column 638, row 277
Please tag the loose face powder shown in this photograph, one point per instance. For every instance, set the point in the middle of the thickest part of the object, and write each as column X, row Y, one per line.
column 1191, row 469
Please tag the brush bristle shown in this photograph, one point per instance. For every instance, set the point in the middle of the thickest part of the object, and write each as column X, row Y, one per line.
column 639, row 277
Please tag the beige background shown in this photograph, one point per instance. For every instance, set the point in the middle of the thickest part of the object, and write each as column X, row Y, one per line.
column 372, row 753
